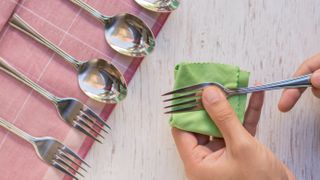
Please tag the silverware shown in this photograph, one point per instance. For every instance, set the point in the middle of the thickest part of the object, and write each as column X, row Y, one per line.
column 72, row 111
column 189, row 98
column 51, row 151
column 125, row 33
column 159, row 5
column 97, row 78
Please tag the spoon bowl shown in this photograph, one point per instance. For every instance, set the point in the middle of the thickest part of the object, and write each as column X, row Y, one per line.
column 129, row 35
column 159, row 5
column 102, row 81
column 125, row 33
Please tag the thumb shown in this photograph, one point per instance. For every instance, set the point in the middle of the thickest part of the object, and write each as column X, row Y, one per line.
column 315, row 79
column 222, row 114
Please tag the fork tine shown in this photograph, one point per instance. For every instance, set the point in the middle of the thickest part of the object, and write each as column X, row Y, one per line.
column 61, row 168
column 80, row 128
column 72, row 161
column 188, row 88
column 192, row 101
column 60, row 159
column 95, row 116
column 93, row 122
column 69, row 151
column 192, row 107
column 81, row 120
column 181, row 97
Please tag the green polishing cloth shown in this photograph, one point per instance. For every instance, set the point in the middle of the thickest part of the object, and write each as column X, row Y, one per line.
column 187, row 74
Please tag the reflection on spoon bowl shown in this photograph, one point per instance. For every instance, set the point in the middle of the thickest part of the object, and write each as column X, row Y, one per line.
column 159, row 5
column 129, row 35
column 125, row 33
column 102, row 81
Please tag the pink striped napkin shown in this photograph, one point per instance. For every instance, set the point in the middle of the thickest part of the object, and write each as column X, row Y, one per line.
column 77, row 33
column 6, row 9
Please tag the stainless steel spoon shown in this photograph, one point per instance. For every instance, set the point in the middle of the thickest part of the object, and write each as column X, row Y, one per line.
column 98, row 78
column 159, row 5
column 125, row 33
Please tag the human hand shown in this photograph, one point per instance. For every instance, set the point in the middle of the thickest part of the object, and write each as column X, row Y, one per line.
column 239, row 155
column 290, row 96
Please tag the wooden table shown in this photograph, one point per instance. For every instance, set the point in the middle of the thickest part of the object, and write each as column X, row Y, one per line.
column 269, row 38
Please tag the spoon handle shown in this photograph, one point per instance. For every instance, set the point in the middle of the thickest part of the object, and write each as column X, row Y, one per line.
column 10, row 127
column 18, row 23
column 22, row 78
column 89, row 9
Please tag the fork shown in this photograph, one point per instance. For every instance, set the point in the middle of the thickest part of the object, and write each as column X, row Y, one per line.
column 188, row 98
column 71, row 110
column 51, row 151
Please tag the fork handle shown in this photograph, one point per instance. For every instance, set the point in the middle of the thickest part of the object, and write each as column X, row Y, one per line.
column 22, row 78
column 296, row 82
column 10, row 127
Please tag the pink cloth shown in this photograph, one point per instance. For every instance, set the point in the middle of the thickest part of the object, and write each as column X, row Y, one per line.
column 6, row 9
column 79, row 34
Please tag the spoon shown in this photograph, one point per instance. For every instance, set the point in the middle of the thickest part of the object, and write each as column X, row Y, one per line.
column 97, row 78
column 125, row 33
column 159, row 5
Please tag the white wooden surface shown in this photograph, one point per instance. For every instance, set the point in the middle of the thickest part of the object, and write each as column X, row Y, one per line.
column 270, row 38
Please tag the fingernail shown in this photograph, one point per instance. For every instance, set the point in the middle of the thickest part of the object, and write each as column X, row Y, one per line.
column 211, row 95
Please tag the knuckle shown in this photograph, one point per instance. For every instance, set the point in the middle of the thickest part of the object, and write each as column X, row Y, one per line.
column 198, row 155
column 251, row 124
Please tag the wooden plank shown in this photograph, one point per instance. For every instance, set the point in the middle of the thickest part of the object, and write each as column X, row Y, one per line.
column 269, row 38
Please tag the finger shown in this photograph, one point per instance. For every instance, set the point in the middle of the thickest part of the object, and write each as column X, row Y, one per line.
column 290, row 96
column 309, row 66
column 185, row 142
column 202, row 139
column 315, row 79
column 252, row 115
column 223, row 115
column 216, row 144
column 316, row 92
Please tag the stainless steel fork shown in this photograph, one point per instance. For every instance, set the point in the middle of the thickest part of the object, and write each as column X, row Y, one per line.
column 71, row 110
column 51, row 151
column 188, row 98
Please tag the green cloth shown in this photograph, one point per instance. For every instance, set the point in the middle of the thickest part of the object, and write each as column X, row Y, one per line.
column 187, row 74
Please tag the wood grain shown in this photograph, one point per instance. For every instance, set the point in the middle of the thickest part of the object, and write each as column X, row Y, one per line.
column 270, row 38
